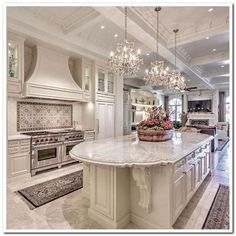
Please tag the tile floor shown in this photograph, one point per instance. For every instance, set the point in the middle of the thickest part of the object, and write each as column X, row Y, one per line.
column 70, row 211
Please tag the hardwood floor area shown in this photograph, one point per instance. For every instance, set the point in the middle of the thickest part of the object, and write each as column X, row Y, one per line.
column 70, row 212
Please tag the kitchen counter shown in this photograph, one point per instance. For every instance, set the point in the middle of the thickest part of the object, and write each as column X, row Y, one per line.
column 18, row 137
column 147, row 183
column 129, row 151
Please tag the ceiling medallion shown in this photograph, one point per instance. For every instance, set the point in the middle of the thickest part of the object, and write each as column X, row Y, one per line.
column 126, row 60
column 158, row 75
column 176, row 80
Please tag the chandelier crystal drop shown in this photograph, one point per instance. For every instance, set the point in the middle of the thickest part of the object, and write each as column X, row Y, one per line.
column 126, row 61
column 158, row 74
column 176, row 80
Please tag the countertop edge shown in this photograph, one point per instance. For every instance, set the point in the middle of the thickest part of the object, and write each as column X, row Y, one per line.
column 138, row 164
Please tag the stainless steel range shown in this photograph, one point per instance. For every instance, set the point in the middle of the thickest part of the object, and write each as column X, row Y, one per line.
column 51, row 148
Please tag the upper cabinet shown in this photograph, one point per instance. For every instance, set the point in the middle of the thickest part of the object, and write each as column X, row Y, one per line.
column 105, row 84
column 83, row 75
column 15, row 64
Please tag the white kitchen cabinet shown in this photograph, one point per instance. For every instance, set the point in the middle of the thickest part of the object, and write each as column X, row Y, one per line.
column 15, row 64
column 190, row 185
column 105, row 85
column 188, row 175
column 83, row 74
column 18, row 160
column 104, row 119
column 89, row 135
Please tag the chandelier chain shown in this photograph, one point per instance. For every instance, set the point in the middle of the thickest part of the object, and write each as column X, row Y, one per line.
column 175, row 31
column 125, row 23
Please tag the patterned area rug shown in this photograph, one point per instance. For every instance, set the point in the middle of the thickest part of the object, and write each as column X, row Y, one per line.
column 222, row 143
column 40, row 194
column 218, row 215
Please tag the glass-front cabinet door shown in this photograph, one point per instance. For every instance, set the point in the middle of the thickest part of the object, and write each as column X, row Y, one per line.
column 87, row 77
column 101, row 80
column 110, row 83
column 15, row 63
column 13, row 59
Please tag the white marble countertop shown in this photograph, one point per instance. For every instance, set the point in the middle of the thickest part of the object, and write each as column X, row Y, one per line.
column 129, row 151
column 18, row 137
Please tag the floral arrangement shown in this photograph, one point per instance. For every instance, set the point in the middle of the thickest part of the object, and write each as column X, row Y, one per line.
column 158, row 119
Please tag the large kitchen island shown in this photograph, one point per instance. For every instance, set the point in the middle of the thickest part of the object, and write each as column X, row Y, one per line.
column 147, row 183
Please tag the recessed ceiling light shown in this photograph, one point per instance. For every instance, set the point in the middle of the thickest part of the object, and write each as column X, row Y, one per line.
column 210, row 9
column 207, row 37
column 222, row 66
column 213, row 49
column 102, row 26
column 147, row 54
column 116, row 35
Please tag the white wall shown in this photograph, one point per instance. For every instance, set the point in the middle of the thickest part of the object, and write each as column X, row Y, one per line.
column 88, row 115
column 12, row 115
column 160, row 99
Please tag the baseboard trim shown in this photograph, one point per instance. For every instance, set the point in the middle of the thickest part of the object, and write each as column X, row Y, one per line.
column 107, row 222
column 145, row 224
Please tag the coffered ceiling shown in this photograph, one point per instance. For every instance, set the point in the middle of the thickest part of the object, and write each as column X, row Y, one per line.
column 203, row 39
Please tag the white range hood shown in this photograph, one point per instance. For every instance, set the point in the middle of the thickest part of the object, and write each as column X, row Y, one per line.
column 51, row 77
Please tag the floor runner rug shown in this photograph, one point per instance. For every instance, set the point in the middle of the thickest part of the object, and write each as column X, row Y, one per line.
column 218, row 215
column 40, row 194
column 222, row 143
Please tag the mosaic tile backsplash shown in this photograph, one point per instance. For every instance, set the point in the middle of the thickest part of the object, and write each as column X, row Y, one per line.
column 42, row 116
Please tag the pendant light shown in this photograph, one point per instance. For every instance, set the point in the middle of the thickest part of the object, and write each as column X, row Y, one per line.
column 126, row 61
column 158, row 75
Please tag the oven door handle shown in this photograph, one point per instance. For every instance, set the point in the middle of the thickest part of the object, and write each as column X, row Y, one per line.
column 72, row 142
column 35, row 147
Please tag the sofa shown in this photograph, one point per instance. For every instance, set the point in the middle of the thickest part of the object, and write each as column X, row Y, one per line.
column 222, row 129
column 210, row 130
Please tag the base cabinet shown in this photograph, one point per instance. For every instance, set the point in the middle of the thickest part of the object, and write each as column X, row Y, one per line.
column 18, row 157
column 19, row 164
column 179, row 195
column 189, row 173
column 190, row 183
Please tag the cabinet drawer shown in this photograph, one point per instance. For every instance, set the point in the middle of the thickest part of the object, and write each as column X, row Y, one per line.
column 179, row 164
column 12, row 150
column 190, row 158
column 198, row 151
column 13, row 143
column 25, row 142
column 25, row 148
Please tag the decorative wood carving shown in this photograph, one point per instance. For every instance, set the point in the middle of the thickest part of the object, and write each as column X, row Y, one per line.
column 142, row 177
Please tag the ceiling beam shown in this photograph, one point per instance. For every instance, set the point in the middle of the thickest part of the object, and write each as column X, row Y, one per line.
column 217, row 72
column 192, row 37
column 89, row 21
column 210, row 58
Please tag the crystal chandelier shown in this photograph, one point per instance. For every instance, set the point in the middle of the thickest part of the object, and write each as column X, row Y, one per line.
column 176, row 81
column 158, row 75
column 126, row 60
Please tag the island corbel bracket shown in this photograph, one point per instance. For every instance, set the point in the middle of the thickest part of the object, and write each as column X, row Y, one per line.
column 142, row 177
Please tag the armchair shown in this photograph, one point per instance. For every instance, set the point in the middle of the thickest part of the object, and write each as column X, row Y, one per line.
column 222, row 129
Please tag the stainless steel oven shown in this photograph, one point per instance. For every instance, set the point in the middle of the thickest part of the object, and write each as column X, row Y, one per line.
column 67, row 146
column 45, row 155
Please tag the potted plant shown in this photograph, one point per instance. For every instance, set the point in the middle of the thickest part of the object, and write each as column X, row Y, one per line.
column 157, row 127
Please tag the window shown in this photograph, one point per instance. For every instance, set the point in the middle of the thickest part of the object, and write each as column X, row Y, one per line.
column 175, row 108
column 227, row 109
